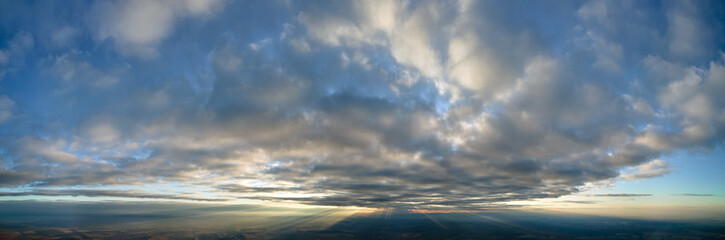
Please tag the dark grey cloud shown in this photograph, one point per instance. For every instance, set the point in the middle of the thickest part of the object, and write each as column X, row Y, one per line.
column 13, row 178
column 384, row 104
column 109, row 193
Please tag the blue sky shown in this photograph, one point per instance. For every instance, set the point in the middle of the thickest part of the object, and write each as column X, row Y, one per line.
column 410, row 104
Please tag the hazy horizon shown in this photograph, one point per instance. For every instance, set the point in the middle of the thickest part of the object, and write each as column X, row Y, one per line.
column 31, row 219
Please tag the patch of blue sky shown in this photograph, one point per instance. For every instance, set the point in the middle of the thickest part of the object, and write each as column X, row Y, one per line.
column 693, row 173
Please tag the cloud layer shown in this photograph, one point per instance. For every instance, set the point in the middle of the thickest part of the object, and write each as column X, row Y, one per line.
column 461, row 104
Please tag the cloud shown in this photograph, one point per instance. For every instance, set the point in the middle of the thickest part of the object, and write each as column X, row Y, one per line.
column 107, row 193
column 362, row 103
column 9, row 178
column 13, row 55
column 16, row 47
column 693, row 195
column 687, row 34
column 6, row 108
column 64, row 35
column 137, row 27
column 608, row 55
column 593, row 10
column 425, row 211
column 650, row 169
column 73, row 72
column 619, row 195
column 580, row 202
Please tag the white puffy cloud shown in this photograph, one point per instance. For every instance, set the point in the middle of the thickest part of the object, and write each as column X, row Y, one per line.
column 650, row 169
column 103, row 133
column 475, row 67
column 691, row 95
column 137, row 27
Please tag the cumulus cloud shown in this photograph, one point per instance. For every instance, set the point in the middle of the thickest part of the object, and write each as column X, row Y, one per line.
column 650, row 169
column 137, row 27
column 687, row 34
column 361, row 103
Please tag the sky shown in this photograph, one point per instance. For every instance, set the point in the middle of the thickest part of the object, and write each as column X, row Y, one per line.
column 597, row 107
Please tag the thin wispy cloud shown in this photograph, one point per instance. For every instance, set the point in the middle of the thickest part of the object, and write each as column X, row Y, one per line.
column 619, row 195
column 694, row 195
